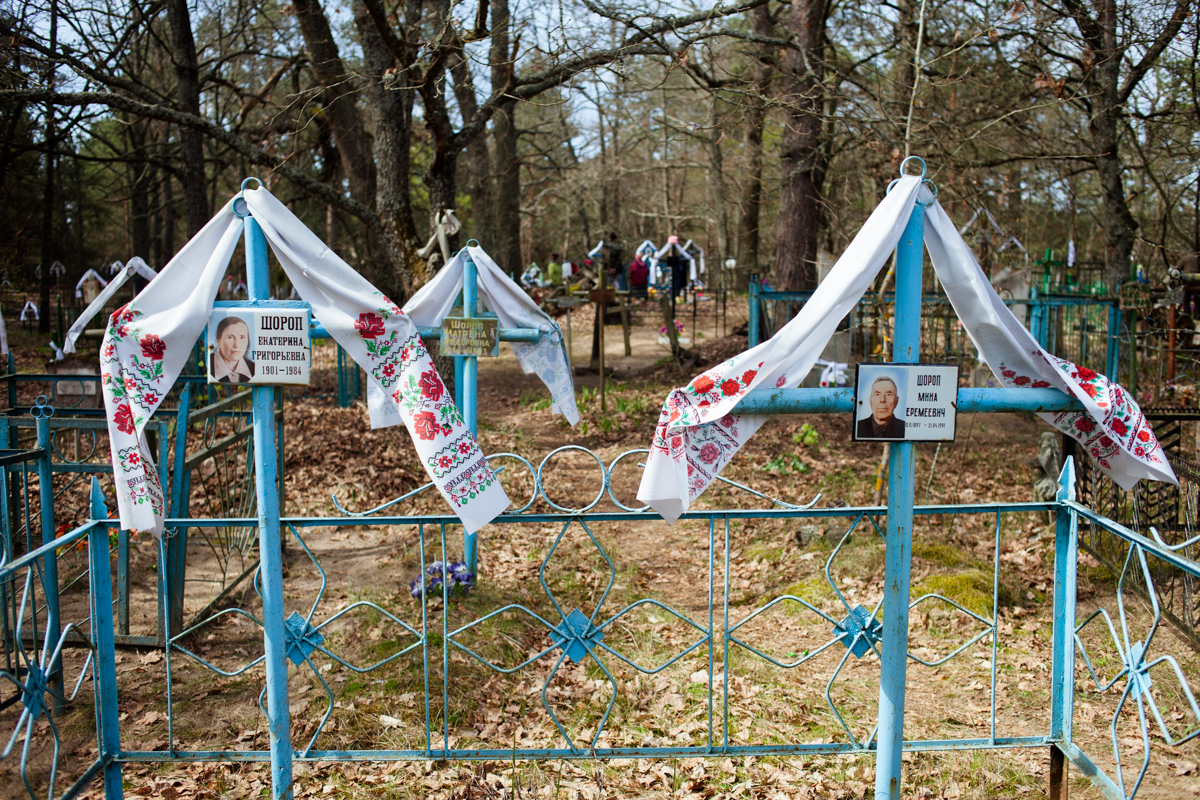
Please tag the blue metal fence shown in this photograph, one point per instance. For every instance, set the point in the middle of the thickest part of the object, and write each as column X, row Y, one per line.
column 583, row 628
column 1085, row 330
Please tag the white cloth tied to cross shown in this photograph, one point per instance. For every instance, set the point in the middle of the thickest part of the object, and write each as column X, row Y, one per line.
column 148, row 341
column 697, row 435
column 434, row 301
column 136, row 266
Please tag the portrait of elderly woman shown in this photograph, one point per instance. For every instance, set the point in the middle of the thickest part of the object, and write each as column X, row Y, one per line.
column 228, row 363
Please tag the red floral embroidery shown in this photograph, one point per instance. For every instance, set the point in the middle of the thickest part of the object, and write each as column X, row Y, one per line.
column 1120, row 427
column 1091, row 390
column 431, row 385
column 150, row 399
column 1008, row 373
column 748, row 376
column 426, row 425
column 153, row 347
column 730, row 387
column 124, row 418
column 702, row 385
column 1084, row 425
column 389, row 370
column 1040, row 384
column 728, row 422
column 134, row 459
column 780, row 381
column 1085, row 374
column 464, row 448
column 1143, row 436
column 677, row 441
column 709, row 453
column 369, row 325
column 445, row 461
column 1020, row 380
column 1105, row 441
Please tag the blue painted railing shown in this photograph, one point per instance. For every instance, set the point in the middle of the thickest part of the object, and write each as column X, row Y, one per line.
column 590, row 631
column 1084, row 330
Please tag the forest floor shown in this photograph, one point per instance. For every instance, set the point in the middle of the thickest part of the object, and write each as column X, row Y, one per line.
column 333, row 452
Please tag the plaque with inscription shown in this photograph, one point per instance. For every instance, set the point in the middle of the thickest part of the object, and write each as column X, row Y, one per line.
column 259, row 346
column 905, row 403
column 470, row 336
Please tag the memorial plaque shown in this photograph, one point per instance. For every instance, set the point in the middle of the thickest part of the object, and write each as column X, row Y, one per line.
column 602, row 295
column 905, row 403
column 470, row 336
column 570, row 301
column 259, row 346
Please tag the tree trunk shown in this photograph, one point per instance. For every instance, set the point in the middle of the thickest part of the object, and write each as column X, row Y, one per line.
column 508, row 163
column 48, row 249
column 747, row 247
column 187, row 75
column 803, row 157
column 479, row 163
column 139, row 194
column 716, row 184
column 341, row 101
column 390, row 109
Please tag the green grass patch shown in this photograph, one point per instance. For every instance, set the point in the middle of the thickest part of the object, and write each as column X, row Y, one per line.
column 970, row 588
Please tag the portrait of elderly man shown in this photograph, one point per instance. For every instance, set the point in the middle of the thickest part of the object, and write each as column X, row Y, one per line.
column 882, row 423
column 229, row 363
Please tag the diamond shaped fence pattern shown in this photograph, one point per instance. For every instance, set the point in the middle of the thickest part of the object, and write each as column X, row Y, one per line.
column 582, row 634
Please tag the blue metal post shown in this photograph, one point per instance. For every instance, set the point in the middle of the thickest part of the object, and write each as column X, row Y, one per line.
column 1112, row 357
column 898, row 566
column 470, row 386
column 270, row 549
column 177, row 538
column 50, row 562
column 752, row 294
column 107, row 726
column 1063, row 649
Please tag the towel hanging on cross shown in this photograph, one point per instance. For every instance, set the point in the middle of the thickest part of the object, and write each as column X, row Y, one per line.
column 697, row 435
column 148, row 341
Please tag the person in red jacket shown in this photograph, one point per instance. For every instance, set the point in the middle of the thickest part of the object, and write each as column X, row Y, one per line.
column 639, row 276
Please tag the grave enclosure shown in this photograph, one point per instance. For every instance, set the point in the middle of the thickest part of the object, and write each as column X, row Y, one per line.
column 62, row 627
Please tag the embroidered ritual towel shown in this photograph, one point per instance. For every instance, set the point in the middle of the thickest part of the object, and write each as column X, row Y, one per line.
column 697, row 436
column 1112, row 429
column 148, row 341
column 135, row 265
column 384, row 342
column 145, row 347
column 514, row 309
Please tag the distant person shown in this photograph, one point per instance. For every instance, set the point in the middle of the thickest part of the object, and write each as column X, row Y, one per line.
column 639, row 275
column 229, row 363
column 883, row 422
column 554, row 271
column 614, row 261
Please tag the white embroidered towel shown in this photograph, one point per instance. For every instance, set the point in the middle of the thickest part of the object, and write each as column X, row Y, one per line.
column 434, row 301
column 696, row 435
column 148, row 341
column 1112, row 429
column 135, row 266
